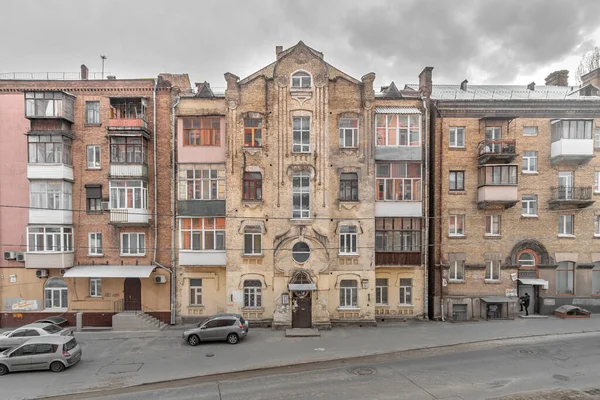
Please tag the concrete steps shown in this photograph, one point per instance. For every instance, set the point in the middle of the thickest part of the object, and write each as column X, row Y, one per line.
column 136, row 321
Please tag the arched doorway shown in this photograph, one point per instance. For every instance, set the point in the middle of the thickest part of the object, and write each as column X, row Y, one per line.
column 132, row 289
column 527, row 260
column 301, row 300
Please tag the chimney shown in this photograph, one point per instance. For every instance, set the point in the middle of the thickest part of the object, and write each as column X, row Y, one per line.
column 558, row 78
column 278, row 49
column 463, row 85
column 425, row 81
column 531, row 86
column 84, row 72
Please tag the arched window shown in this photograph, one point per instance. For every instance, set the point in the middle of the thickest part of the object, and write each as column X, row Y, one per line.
column 526, row 259
column 55, row 293
column 301, row 79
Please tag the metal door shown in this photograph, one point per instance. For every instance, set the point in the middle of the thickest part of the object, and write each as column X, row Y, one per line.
column 132, row 289
column 302, row 311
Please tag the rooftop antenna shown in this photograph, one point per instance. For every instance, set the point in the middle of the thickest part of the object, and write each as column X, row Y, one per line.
column 103, row 58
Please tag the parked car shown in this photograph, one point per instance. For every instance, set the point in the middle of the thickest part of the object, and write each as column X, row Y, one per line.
column 230, row 327
column 60, row 321
column 26, row 332
column 41, row 353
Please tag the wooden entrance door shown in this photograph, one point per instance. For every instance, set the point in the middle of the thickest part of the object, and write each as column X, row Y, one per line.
column 302, row 312
column 132, row 289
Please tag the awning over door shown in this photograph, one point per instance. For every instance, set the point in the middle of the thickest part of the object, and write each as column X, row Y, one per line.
column 540, row 282
column 110, row 271
column 302, row 287
column 497, row 299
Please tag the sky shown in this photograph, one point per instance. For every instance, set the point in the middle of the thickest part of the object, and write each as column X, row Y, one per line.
column 484, row 41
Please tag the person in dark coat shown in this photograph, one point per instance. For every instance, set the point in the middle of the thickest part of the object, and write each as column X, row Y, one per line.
column 526, row 300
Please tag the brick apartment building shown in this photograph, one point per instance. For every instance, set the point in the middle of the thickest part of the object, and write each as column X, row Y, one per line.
column 515, row 183
column 86, row 215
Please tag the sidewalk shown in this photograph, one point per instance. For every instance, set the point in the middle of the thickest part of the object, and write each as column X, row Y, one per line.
column 117, row 359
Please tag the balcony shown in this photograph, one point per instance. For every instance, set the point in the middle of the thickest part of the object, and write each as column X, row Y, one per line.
column 50, row 171
column 396, row 258
column 572, row 142
column 49, row 260
column 497, row 151
column 47, row 216
column 128, row 170
column 200, row 258
column 497, row 185
column 49, row 105
column 129, row 216
column 128, row 114
column 569, row 197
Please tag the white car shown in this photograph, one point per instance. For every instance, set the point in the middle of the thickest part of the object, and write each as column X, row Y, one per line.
column 21, row 335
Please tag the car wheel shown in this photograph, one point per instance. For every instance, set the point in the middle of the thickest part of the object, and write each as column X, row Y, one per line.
column 193, row 340
column 3, row 369
column 233, row 338
column 57, row 366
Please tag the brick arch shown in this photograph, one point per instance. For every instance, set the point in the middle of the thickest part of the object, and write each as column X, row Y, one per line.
column 535, row 247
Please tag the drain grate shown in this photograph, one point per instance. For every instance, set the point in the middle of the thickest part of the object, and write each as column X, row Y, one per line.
column 592, row 391
column 363, row 371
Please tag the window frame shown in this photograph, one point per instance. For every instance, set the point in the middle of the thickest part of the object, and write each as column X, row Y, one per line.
column 458, row 221
column 195, row 292
column 381, row 292
column 354, row 132
column 386, row 237
column 93, row 112
column 596, row 279
column 194, row 133
column 49, row 149
column 54, row 293
column 507, row 174
column 596, row 181
column 348, row 294
column 535, row 128
column 456, row 174
column 400, row 176
column 140, row 238
column 95, row 244
column 405, row 292
column 348, row 186
column 253, row 232
column 129, row 189
column 202, row 182
column 301, row 76
column 128, row 150
column 563, row 223
column 299, row 192
column 252, row 186
column 567, row 268
column 453, row 132
column 529, row 163
column 596, row 225
column 528, row 202
column 382, row 131
column 493, row 225
column 96, row 287
column 96, row 162
column 597, row 138
column 491, row 267
column 348, row 240
column 252, row 294
column 298, row 140
column 255, row 132
column 456, row 272
column 60, row 237
column 218, row 234
column 51, row 195
column 44, row 104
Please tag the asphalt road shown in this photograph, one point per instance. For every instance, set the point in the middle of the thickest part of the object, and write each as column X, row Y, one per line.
column 465, row 372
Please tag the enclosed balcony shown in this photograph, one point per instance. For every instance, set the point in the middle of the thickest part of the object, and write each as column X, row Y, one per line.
column 128, row 157
column 129, row 216
column 128, row 114
column 49, row 247
column 398, row 241
column 497, row 185
column 49, row 105
column 572, row 141
column 497, row 151
column 49, row 157
column 569, row 197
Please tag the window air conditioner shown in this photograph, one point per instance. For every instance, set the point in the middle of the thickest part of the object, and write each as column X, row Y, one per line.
column 10, row 255
column 41, row 273
column 160, row 279
column 105, row 205
column 20, row 257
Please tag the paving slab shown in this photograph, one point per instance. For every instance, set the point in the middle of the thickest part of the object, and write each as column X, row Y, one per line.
column 302, row 332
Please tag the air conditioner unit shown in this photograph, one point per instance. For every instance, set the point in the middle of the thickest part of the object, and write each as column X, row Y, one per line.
column 105, row 205
column 10, row 255
column 20, row 257
column 62, row 271
column 160, row 279
column 41, row 273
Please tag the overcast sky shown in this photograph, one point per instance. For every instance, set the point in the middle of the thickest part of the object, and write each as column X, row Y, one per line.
column 493, row 42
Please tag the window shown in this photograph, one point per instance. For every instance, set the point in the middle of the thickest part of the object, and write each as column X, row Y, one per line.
column 348, row 133
column 252, row 294
column 381, row 291
column 405, row 291
column 92, row 112
column 501, row 175
column 301, row 135
column 596, row 181
column 529, row 205
column 51, row 195
column 93, row 157
column 128, row 150
column 56, row 293
column 457, row 137
column 597, row 225
column 597, row 138
column 252, row 186
column 195, row 292
column 252, row 240
column 95, row 244
column 398, row 130
column 349, row 186
column 201, row 132
column 571, row 129
column 457, row 181
column 529, row 161
column 301, row 195
column 565, row 225
column 348, row 294
column 564, row 277
column 398, row 181
column 202, row 182
column 252, row 132
column 133, row 244
column 128, row 195
column 530, row 131
column 202, row 234
column 128, row 108
column 457, row 270
column 526, row 259
column 301, row 79
column 492, row 270
column 596, row 278
column 300, row 252
column 45, row 348
column 348, row 239
column 566, row 189
column 95, row 287
column 492, row 225
column 49, row 149
column 456, row 225
column 398, row 235
column 49, row 239
column 93, row 194
column 44, row 104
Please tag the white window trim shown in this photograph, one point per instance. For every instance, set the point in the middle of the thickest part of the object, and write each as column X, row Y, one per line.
column 196, row 289
column 95, row 284
column 396, row 131
column 596, row 181
column 454, row 268
column 456, row 218
column 348, row 236
column 564, row 225
column 529, row 202
column 309, row 77
column 253, row 235
column 495, row 267
column 299, row 191
column 99, row 154
column 62, row 235
column 115, row 198
column 40, row 194
column 197, row 169
column 530, row 134
column 302, row 129
column 348, row 291
column 255, row 293
column 355, row 134
column 137, row 236
column 528, row 160
column 492, row 217
column 453, row 131
column 201, row 230
column 379, row 288
column 597, row 226
column 400, row 302
column 93, row 244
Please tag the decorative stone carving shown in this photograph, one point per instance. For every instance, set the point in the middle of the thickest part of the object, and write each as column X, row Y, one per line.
column 348, row 205
column 282, row 80
column 232, row 104
column 367, row 104
column 530, row 244
column 320, row 80
column 301, row 56
column 252, row 204
column 301, row 168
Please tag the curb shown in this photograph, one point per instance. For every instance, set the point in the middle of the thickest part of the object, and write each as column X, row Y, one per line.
column 286, row 368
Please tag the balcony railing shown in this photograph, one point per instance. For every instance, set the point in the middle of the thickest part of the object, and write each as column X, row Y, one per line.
column 128, row 216
column 497, row 150
column 570, row 196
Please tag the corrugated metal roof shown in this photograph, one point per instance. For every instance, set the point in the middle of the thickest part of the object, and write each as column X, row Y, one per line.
column 397, row 110
column 506, row 92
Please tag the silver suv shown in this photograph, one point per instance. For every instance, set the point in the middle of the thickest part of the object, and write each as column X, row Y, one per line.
column 45, row 352
column 230, row 327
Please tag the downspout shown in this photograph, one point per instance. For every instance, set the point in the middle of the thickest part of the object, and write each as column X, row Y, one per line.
column 154, row 164
column 173, row 216
column 439, row 249
column 426, row 211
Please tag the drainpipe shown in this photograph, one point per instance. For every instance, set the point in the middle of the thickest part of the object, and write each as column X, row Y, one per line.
column 426, row 210
column 173, row 216
column 154, row 164
column 439, row 249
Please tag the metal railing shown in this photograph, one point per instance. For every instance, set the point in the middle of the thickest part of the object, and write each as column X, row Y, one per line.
column 498, row 147
column 571, row 193
column 135, row 306
column 51, row 76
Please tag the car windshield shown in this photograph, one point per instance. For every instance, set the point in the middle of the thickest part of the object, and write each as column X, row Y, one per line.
column 70, row 344
column 52, row 329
